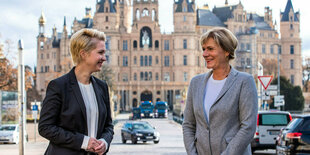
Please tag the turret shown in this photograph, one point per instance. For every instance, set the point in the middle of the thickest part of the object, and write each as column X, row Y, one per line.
column 42, row 24
column 184, row 16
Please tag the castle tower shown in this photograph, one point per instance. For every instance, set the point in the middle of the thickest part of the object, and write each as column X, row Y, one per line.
column 125, row 16
column 41, row 46
column 268, row 16
column 184, row 12
column 291, row 44
column 106, row 17
column 64, row 57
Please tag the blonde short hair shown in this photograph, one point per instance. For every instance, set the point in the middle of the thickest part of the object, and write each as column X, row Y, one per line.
column 84, row 39
column 224, row 38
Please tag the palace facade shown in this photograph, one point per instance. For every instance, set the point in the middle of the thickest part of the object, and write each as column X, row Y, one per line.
column 150, row 65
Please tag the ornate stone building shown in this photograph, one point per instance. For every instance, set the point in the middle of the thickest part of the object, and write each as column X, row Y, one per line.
column 150, row 65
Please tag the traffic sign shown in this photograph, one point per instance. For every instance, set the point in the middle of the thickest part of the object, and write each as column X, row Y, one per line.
column 272, row 87
column 272, row 92
column 34, row 107
column 265, row 80
column 279, row 100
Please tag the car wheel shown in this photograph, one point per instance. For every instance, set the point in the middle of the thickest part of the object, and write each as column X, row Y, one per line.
column 123, row 139
column 156, row 141
column 133, row 140
column 144, row 141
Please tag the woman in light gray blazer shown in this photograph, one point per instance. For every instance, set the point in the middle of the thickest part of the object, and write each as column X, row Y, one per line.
column 221, row 107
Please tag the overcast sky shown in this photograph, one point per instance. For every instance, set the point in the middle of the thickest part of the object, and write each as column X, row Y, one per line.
column 19, row 18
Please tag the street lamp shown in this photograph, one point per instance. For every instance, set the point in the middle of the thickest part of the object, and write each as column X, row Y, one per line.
column 21, row 96
column 278, row 57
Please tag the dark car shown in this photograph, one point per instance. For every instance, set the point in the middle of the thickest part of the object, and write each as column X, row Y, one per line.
column 295, row 137
column 139, row 131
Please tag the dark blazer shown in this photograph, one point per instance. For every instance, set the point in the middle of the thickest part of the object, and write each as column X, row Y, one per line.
column 63, row 115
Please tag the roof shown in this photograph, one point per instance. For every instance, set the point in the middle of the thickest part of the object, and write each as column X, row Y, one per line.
column 189, row 6
column 101, row 7
column 223, row 13
column 88, row 22
column 259, row 22
column 207, row 18
column 285, row 14
column 273, row 112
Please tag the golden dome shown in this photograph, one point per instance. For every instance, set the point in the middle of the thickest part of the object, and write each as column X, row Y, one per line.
column 42, row 18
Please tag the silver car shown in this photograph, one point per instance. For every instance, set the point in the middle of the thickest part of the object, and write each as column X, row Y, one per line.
column 9, row 133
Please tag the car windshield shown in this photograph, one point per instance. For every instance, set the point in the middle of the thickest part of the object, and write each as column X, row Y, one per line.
column 146, row 106
column 140, row 126
column 274, row 119
column 161, row 106
column 7, row 128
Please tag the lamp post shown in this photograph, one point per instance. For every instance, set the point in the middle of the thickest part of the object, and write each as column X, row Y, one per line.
column 278, row 57
column 21, row 95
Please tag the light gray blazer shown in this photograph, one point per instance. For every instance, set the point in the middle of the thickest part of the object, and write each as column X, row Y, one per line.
column 232, row 118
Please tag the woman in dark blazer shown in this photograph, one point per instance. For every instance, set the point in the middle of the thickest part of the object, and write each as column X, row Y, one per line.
column 75, row 115
column 221, row 106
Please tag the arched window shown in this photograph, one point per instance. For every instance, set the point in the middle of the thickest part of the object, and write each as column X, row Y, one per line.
column 150, row 60
column 141, row 60
column 156, row 44
column 153, row 14
column 145, row 60
column 138, row 14
column 141, row 76
column 145, row 12
column 150, row 76
column 145, row 76
column 135, row 44
column 145, row 37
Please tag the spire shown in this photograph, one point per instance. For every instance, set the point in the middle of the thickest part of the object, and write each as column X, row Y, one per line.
column 54, row 31
column 65, row 26
column 88, row 13
column 226, row 2
column 65, row 21
column 42, row 19
column 285, row 15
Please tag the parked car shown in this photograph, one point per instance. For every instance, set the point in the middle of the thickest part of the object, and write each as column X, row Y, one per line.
column 147, row 109
column 9, row 133
column 139, row 131
column 295, row 137
column 269, row 124
column 161, row 109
